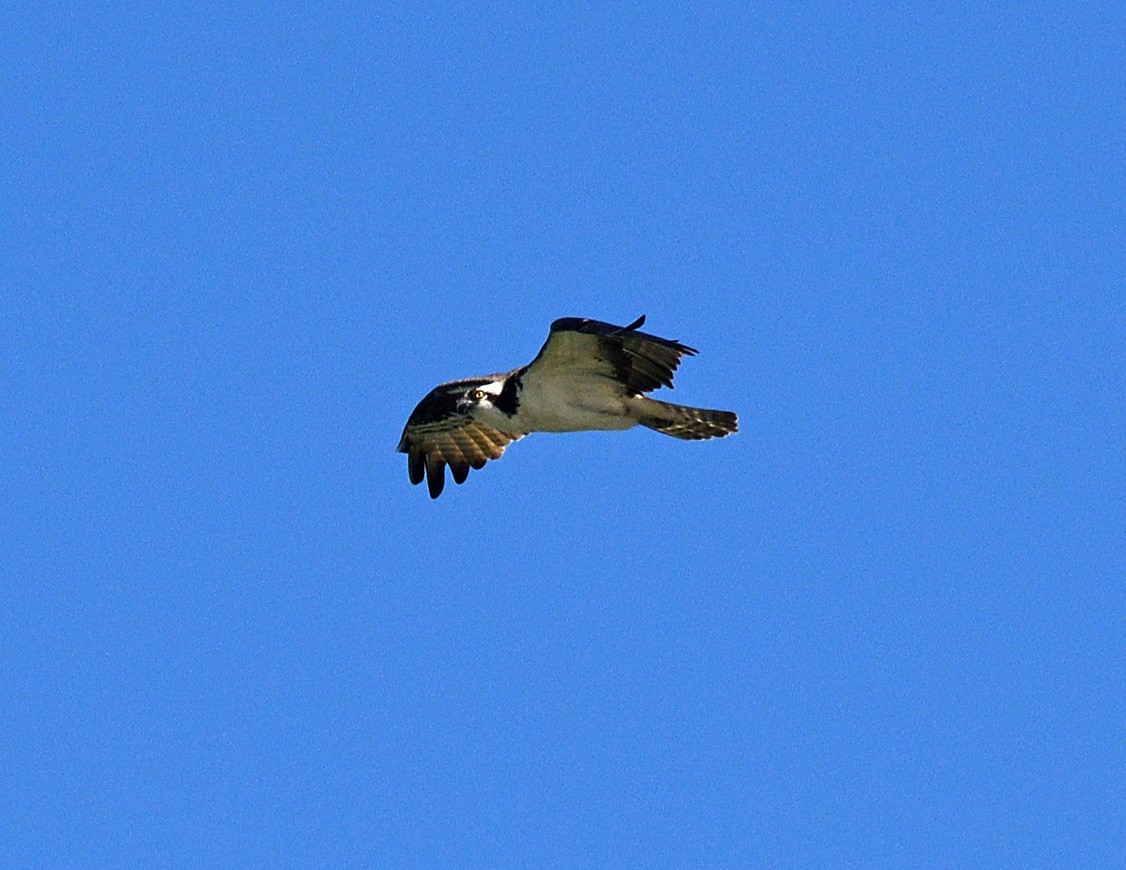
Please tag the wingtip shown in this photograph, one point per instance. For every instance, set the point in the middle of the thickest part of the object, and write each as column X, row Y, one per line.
column 435, row 475
column 416, row 467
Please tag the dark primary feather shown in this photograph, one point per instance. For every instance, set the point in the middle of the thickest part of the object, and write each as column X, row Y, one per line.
column 437, row 435
column 641, row 361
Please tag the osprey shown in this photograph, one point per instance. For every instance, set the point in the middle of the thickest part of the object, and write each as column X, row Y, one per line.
column 588, row 375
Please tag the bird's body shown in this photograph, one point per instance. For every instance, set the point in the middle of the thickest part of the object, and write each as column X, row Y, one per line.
column 589, row 375
column 576, row 404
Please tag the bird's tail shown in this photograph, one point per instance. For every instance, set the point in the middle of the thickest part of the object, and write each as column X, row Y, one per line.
column 679, row 421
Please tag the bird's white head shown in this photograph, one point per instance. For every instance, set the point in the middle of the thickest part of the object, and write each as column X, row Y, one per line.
column 478, row 401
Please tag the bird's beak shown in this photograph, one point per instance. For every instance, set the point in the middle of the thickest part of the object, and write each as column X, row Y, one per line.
column 462, row 405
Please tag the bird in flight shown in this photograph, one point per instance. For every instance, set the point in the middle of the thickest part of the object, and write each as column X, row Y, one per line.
column 588, row 375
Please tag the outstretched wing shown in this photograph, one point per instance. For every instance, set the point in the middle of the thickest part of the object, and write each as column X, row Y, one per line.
column 437, row 435
column 640, row 361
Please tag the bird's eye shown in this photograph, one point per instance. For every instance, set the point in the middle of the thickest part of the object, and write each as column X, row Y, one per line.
column 478, row 395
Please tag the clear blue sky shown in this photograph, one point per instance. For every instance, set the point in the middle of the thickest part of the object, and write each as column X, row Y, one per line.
column 884, row 624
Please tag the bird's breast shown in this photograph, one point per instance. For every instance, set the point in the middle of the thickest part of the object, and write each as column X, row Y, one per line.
column 571, row 405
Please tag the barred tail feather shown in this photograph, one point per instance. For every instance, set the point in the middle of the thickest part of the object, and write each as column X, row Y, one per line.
column 679, row 421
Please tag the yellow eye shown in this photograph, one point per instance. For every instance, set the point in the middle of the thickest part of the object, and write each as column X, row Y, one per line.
column 479, row 395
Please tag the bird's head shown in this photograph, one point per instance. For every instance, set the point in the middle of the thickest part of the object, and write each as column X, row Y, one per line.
column 480, row 397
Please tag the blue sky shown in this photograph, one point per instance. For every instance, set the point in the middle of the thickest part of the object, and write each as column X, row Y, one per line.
column 881, row 625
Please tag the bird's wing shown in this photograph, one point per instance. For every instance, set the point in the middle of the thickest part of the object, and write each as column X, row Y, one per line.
column 640, row 361
column 437, row 435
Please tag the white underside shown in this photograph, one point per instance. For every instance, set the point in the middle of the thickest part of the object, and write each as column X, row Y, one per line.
column 573, row 404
